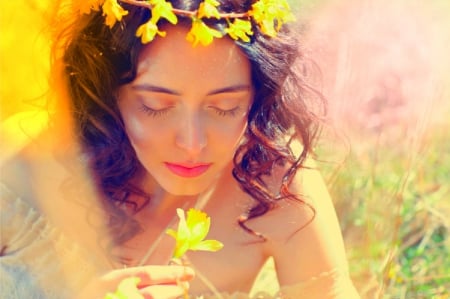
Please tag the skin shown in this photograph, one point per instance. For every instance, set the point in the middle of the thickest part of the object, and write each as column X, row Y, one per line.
column 187, row 124
column 186, row 106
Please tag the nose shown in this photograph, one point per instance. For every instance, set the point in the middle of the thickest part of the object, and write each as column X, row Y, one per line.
column 191, row 136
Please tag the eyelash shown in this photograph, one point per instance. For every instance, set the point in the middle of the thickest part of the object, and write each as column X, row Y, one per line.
column 231, row 112
column 152, row 112
column 161, row 112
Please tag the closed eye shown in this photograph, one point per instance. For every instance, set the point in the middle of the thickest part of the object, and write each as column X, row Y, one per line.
column 154, row 112
column 229, row 112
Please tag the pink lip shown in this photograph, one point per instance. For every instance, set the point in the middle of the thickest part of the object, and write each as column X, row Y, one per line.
column 188, row 171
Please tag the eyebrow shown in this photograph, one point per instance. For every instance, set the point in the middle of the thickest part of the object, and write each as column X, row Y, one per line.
column 160, row 89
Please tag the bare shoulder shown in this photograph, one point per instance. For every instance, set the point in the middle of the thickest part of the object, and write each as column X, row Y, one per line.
column 305, row 234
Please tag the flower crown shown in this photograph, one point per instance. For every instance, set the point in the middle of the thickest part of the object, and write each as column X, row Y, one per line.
column 269, row 15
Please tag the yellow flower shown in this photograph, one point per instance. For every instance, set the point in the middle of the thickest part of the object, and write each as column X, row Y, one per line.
column 191, row 232
column 200, row 32
column 113, row 12
column 163, row 9
column 268, row 13
column 126, row 289
column 208, row 9
column 240, row 29
column 148, row 31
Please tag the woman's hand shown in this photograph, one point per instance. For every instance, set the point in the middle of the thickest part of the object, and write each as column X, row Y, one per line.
column 156, row 282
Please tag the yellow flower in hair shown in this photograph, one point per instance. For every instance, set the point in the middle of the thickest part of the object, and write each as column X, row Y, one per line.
column 148, row 31
column 269, row 16
column 208, row 9
column 240, row 29
column 268, row 13
column 113, row 12
column 163, row 9
column 191, row 232
column 200, row 32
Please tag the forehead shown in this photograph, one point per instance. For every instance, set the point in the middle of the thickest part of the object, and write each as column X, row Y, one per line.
column 174, row 57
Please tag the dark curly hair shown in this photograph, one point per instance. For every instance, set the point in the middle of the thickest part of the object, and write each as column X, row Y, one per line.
column 286, row 108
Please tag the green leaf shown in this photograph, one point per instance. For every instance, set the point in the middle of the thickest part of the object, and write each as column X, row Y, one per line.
column 208, row 245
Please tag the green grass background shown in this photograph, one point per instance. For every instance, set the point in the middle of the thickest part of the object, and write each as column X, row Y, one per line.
column 391, row 182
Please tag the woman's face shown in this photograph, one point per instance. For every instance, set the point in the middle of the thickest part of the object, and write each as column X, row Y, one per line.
column 186, row 111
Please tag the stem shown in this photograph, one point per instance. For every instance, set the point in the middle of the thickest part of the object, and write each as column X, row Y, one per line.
column 185, row 13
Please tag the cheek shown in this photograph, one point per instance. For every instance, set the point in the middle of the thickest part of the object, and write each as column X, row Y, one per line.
column 141, row 133
column 135, row 130
column 230, row 136
column 240, row 131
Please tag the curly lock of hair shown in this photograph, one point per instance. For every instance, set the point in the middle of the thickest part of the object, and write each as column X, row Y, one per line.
column 286, row 108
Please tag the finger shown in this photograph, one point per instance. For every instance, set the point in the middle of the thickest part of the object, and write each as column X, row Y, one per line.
column 152, row 275
column 164, row 291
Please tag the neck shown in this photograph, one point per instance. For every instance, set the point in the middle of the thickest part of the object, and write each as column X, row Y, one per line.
column 162, row 202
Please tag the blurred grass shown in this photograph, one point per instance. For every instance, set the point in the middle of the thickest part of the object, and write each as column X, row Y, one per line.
column 392, row 196
column 390, row 181
column 388, row 163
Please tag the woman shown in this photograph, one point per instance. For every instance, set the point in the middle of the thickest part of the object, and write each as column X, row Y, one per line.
column 173, row 107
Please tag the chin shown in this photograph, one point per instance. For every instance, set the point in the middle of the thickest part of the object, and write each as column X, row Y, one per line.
column 185, row 189
column 184, row 192
column 186, row 186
